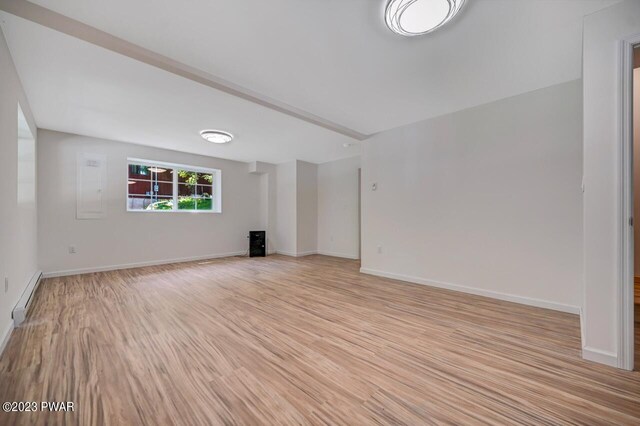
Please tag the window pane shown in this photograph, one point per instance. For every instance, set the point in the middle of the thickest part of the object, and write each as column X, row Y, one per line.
column 26, row 172
column 162, row 174
column 163, row 189
column 139, row 187
column 186, row 203
column 185, row 176
column 204, row 204
column 139, row 202
column 186, row 197
column 185, row 190
column 204, row 200
column 161, row 203
column 204, row 191
column 139, row 172
column 205, row 178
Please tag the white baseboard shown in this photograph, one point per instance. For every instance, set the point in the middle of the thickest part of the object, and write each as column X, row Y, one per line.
column 20, row 311
column 6, row 334
column 479, row 292
column 291, row 254
column 323, row 253
column 336, row 254
column 599, row 356
column 582, row 328
column 138, row 264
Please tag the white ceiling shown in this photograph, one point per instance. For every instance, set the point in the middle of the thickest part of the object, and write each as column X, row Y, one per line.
column 73, row 86
column 332, row 58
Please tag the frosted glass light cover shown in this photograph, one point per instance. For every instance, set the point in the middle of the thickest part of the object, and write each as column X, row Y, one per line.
column 216, row 136
column 418, row 17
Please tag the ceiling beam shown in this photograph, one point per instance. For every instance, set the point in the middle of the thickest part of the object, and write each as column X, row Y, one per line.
column 77, row 29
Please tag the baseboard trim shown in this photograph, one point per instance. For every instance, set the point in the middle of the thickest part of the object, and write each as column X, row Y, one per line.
column 336, row 254
column 291, row 254
column 20, row 311
column 582, row 330
column 69, row 272
column 539, row 303
column 5, row 336
column 600, row 356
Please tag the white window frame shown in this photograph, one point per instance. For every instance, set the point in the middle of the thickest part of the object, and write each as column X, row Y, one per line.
column 217, row 185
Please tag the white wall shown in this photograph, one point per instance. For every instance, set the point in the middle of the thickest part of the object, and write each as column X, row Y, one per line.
column 286, row 208
column 602, row 176
column 268, row 199
column 124, row 238
column 338, row 209
column 18, row 226
column 297, row 210
column 486, row 200
column 307, row 208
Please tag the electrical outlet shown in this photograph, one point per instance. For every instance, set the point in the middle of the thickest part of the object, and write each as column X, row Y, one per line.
column 379, row 249
column 72, row 249
column 6, row 284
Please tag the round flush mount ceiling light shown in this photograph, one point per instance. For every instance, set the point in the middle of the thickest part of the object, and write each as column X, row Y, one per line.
column 417, row 17
column 216, row 136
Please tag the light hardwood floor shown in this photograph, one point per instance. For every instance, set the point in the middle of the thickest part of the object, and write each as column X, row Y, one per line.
column 299, row 341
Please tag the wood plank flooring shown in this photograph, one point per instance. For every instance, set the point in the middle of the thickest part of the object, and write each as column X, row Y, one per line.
column 280, row 340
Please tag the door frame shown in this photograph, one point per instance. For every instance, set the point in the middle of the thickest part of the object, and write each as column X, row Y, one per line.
column 626, row 234
column 360, row 213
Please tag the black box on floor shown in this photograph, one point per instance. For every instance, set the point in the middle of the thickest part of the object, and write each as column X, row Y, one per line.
column 257, row 244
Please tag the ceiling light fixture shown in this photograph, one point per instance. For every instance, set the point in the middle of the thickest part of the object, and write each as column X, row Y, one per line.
column 216, row 136
column 417, row 17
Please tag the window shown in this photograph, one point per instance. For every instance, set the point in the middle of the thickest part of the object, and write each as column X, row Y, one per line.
column 26, row 172
column 165, row 187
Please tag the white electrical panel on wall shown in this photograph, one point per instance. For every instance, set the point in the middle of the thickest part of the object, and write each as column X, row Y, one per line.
column 91, row 184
